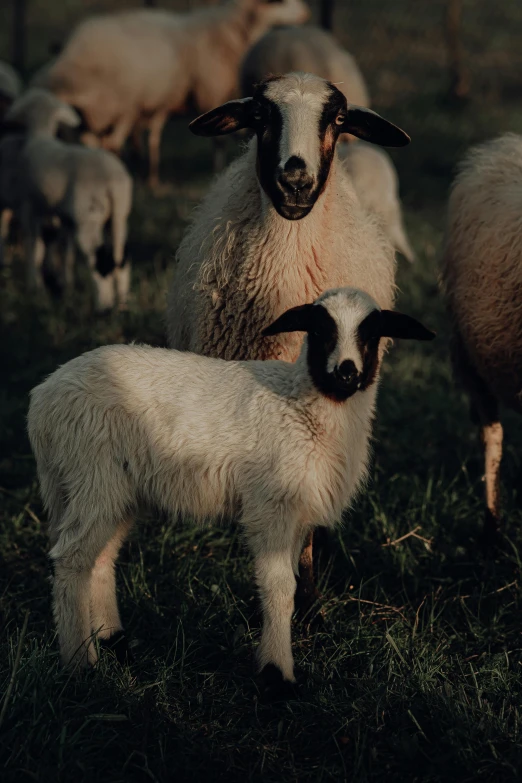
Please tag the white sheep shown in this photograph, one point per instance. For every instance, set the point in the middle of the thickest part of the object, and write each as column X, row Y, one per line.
column 143, row 65
column 89, row 191
column 282, row 446
column 278, row 228
column 308, row 49
column 481, row 279
column 377, row 185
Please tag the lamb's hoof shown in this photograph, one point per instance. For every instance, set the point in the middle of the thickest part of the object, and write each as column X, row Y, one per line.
column 119, row 646
column 273, row 687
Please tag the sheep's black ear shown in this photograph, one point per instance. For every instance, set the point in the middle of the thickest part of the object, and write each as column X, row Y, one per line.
column 232, row 116
column 298, row 319
column 403, row 327
column 370, row 126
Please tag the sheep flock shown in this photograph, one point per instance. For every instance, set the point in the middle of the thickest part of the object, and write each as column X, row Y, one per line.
column 280, row 314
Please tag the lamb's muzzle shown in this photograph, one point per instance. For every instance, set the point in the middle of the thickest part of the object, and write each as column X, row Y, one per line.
column 280, row 444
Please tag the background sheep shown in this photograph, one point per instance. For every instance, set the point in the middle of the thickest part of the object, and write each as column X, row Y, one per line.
column 10, row 87
column 377, row 185
column 264, row 242
column 481, row 280
column 308, row 49
column 283, row 445
column 89, row 191
column 141, row 66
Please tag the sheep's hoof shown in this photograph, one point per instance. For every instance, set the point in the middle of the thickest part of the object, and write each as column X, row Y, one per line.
column 119, row 646
column 273, row 687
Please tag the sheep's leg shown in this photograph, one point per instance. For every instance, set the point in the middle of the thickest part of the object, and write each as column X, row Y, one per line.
column 115, row 140
column 104, row 290
column 34, row 247
column 105, row 617
column 122, row 276
column 69, row 258
column 6, row 217
column 307, row 596
column 276, row 582
column 492, row 438
column 156, row 126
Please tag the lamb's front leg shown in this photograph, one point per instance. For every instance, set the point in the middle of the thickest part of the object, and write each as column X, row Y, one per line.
column 272, row 549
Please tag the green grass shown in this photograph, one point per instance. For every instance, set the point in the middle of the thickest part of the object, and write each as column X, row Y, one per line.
column 417, row 672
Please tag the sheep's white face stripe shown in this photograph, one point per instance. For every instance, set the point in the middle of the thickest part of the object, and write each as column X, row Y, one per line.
column 300, row 133
column 348, row 320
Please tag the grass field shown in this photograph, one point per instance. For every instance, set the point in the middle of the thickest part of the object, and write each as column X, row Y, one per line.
column 417, row 672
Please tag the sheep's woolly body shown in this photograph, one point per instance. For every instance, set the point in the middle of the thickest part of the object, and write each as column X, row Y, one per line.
column 308, row 49
column 482, row 272
column 377, row 185
column 240, row 264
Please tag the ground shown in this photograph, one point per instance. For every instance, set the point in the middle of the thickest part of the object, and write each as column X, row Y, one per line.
column 417, row 672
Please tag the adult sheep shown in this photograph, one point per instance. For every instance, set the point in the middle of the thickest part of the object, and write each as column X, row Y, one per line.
column 481, row 280
column 141, row 66
column 279, row 227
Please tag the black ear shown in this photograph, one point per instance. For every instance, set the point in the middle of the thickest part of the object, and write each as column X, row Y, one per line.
column 230, row 117
column 403, row 326
column 370, row 126
column 298, row 319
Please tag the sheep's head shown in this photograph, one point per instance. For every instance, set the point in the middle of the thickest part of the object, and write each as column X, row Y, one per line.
column 344, row 327
column 41, row 112
column 297, row 119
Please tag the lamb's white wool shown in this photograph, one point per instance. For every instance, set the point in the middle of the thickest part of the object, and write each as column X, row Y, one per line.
column 139, row 66
column 88, row 192
column 481, row 279
column 282, row 446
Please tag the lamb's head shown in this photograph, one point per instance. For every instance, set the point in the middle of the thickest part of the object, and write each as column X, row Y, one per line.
column 263, row 14
column 40, row 112
column 297, row 119
column 344, row 327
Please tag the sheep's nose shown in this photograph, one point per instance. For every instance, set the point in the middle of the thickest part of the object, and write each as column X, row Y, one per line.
column 294, row 178
column 346, row 371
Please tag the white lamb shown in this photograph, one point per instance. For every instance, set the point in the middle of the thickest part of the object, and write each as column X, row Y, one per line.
column 282, row 225
column 275, row 443
column 88, row 190
column 377, row 185
column 143, row 65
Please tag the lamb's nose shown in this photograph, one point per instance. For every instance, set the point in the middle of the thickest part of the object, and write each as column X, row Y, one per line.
column 346, row 371
column 294, row 178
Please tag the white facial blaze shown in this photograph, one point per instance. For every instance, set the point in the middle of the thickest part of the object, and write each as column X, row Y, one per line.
column 301, row 99
column 348, row 320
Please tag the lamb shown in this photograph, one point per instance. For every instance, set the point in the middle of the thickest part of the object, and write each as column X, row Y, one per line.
column 481, row 277
column 89, row 191
column 279, row 227
column 377, row 185
column 310, row 50
column 275, row 443
column 140, row 66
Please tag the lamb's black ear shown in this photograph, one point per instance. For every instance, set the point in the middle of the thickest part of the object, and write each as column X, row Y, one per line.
column 403, row 326
column 370, row 126
column 298, row 319
column 232, row 116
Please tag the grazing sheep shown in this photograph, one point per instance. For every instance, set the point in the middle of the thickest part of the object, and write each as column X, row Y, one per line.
column 89, row 191
column 279, row 227
column 277, row 444
column 481, row 280
column 376, row 183
column 141, row 66
column 310, row 50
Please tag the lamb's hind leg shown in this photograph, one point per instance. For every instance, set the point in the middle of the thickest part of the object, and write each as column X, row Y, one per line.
column 105, row 617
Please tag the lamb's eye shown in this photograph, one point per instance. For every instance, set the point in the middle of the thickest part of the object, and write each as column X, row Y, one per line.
column 261, row 113
column 339, row 120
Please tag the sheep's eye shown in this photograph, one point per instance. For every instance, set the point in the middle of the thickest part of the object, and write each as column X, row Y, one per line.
column 339, row 120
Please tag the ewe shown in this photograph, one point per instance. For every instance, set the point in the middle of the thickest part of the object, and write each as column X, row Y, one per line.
column 140, row 66
column 279, row 227
column 88, row 192
column 481, row 279
column 284, row 446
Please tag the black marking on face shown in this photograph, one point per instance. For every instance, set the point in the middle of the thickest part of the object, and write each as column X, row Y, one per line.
column 294, row 190
column 368, row 336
